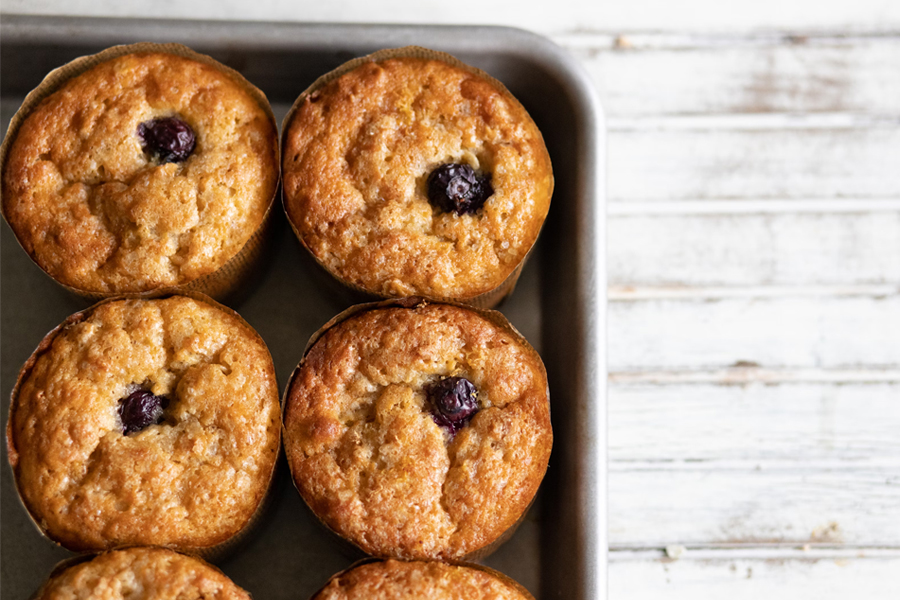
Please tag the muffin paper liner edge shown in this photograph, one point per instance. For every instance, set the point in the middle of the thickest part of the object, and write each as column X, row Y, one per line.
column 234, row 273
column 506, row 579
column 412, row 302
column 211, row 553
column 67, row 563
column 488, row 299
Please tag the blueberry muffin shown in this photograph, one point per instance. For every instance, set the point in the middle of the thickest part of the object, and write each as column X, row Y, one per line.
column 399, row 580
column 146, row 422
column 419, row 430
column 413, row 174
column 139, row 574
column 148, row 170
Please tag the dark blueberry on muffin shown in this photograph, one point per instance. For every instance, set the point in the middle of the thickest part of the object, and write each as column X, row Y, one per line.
column 149, row 170
column 416, row 176
column 366, row 423
column 168, row 140
column 455, row 402
column 192, row 388
column 140, row 409
column 457, row 188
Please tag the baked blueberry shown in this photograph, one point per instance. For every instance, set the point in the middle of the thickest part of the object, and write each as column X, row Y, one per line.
column 454, row 401
column 168, row 140
column 403, row 459
column 458, row 188
column 141, row 409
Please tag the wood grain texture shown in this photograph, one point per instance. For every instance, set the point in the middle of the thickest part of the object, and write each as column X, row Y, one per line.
column 562, row 16
column 747, row 373
column 753, row 206
column 652, row 505
column 829, row 332
column 743, row 575
column 755, row 249
column 709, row 75
column 775, row 162
column 851, row 424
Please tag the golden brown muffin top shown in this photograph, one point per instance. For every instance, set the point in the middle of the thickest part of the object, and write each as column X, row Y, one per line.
column 100, row 214
column 357, row 156
column 371, row 461
column 191, row 481
column 141, row 574
column 397, row 580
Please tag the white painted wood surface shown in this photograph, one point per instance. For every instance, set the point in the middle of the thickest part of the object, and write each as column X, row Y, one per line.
column 824, row 332
column 751, row 575
column 754, row 271
column 562, row 16
column 788, row 424
column 753, row 73
column 787, row 249
column 755, row 157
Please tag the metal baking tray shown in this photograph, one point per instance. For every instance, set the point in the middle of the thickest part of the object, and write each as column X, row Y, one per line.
column 559, row 305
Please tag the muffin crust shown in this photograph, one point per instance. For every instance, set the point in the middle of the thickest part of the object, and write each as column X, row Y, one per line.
column 357, row 155
column 397, row 580
column 100, row 214
column 141, row 574
column 372, row 463
column 192, row 481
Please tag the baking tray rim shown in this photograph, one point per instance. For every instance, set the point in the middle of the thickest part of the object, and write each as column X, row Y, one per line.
column 359, row 38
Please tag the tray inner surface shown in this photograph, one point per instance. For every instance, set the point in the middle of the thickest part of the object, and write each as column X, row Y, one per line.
column 290, row 555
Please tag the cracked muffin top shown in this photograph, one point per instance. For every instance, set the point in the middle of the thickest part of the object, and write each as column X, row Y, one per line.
column 419, row 432
column 145, row 422
column 149, row 170
column 411, row 176
column 140, row 574
column 398, row 580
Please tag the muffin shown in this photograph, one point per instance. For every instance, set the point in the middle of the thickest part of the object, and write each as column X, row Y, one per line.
column 146, row 422
column 419, row 430
column 410, row 173
column 136, row 170
column 139, row 574
column 398, row 580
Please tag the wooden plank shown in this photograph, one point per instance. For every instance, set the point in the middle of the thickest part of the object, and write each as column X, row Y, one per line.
column 802, row 332
column 738, row 575
column 775, row 74
column 694, row 39
column 746, row 373
column 626, row 292
column 754, row 121
column 816, row 422
column 653, row 505
column 722, row 163
column 753, row 206
column 564, row 15
column 749, row 250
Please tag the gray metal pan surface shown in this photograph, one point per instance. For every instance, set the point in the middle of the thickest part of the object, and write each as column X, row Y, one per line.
column 559, row 305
